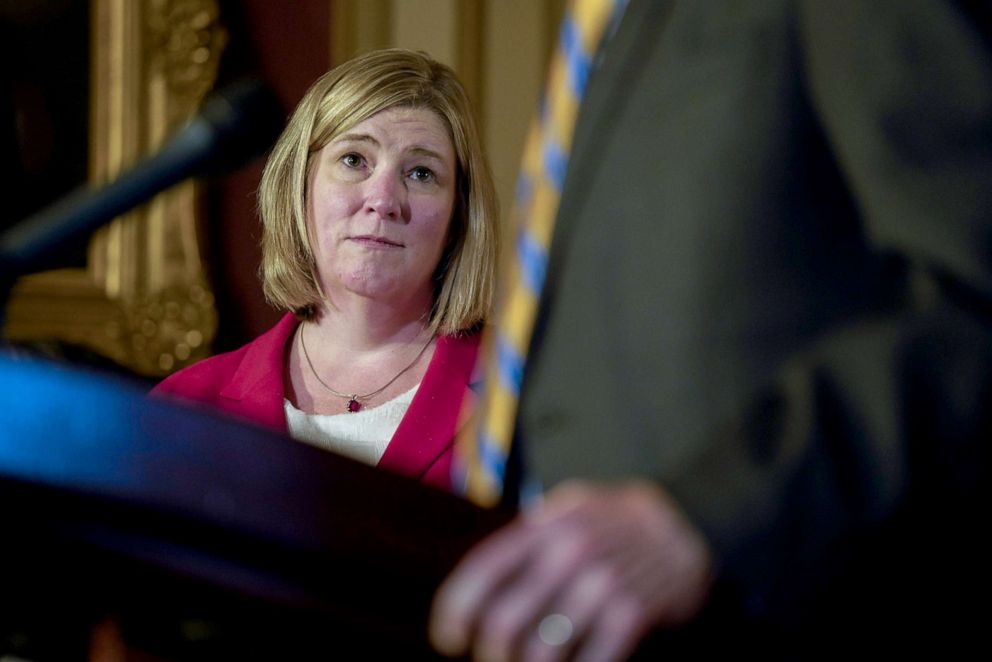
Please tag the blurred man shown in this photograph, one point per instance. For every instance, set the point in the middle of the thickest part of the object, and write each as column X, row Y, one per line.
column 763, row 354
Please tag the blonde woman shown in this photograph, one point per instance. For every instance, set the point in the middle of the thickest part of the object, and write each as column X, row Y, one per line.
column 380, row 242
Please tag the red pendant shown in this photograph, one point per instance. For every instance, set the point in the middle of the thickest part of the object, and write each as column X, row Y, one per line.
column 354, row 405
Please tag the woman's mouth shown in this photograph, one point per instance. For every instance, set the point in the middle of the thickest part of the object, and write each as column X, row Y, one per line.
column 375, row 241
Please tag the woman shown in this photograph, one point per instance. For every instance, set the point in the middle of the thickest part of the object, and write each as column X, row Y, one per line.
column 380, row 239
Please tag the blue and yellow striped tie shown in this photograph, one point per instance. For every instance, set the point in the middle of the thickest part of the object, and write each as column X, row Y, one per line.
column 481, row 457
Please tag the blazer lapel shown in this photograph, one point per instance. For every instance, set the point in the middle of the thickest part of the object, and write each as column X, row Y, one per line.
column 427, row 431
column 256, row 389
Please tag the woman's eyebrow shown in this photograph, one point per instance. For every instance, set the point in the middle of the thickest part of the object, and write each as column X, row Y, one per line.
column 357, row 137
column 425, row 151
column 419, row 150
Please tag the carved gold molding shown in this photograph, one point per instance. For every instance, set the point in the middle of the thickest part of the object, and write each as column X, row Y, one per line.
column 143, row 299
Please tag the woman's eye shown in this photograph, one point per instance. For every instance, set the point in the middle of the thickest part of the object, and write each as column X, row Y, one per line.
column 351, row 160
column 422, row 174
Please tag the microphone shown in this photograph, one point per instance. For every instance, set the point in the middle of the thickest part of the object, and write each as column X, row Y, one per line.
column 235, row 124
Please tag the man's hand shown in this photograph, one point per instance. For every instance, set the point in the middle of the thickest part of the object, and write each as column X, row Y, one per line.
column 584, row 575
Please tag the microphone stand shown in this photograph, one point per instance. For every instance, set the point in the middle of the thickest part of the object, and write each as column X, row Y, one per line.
column 40, row 240
column 237, row 123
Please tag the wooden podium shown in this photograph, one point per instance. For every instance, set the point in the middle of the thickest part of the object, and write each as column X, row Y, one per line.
column 203, row 537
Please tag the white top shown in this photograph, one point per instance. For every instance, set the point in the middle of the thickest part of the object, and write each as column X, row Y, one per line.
column 362, row 435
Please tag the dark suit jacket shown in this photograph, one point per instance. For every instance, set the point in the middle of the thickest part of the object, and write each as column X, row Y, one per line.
column 769, row 290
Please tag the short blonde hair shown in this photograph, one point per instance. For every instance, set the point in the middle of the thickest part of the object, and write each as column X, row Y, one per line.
column 336, row 102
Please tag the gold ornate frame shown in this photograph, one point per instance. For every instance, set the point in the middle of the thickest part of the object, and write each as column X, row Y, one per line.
column 143, row 299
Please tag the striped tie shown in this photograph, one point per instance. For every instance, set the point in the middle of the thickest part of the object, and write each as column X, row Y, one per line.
column 482, row 456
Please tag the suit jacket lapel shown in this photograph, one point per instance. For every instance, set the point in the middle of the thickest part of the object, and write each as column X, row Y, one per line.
column 619, row 63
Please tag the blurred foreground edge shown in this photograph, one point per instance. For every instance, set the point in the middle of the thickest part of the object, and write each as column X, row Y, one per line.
column 202, row 537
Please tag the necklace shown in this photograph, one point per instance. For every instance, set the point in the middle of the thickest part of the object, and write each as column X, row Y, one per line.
column 354, row 400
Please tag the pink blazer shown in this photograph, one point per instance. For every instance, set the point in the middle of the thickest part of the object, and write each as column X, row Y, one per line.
column 248, row 383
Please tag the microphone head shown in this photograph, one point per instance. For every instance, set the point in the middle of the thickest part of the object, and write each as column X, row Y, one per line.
column 240, row 121
column 234, row 125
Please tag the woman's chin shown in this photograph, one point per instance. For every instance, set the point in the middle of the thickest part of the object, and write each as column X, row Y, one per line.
column 400, row 295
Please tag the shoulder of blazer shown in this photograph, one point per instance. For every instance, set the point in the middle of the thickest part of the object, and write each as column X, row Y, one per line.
column 232, row 375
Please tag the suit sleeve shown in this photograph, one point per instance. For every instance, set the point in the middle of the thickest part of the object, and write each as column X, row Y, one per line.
column 850, row 492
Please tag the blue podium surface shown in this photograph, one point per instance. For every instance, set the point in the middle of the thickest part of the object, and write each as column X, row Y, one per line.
column 162, row 515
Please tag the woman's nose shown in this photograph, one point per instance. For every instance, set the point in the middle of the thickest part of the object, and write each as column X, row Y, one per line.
column 386, row 195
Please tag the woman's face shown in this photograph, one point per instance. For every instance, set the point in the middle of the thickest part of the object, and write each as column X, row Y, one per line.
column 381, row 197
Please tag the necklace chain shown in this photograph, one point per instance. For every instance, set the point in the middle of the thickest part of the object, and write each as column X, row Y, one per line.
column 354, row 399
